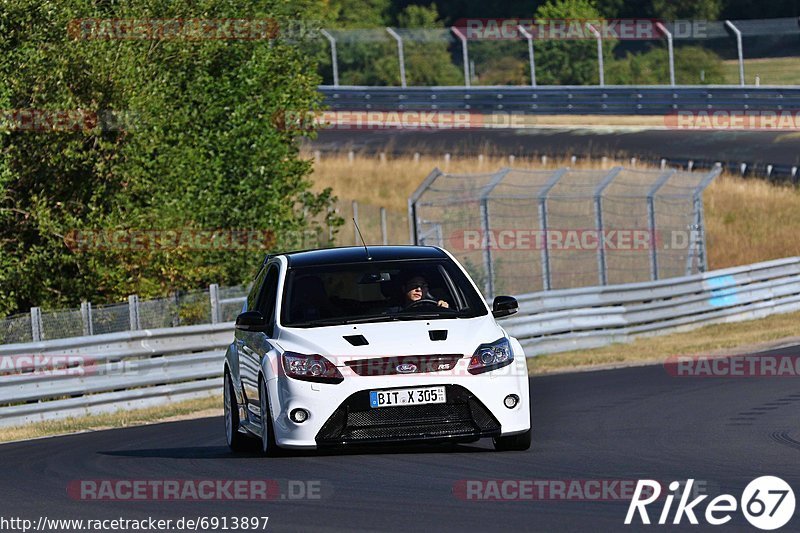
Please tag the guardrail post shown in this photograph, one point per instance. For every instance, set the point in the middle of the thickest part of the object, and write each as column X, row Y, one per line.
column 599, row 52
column 529, row 38
column 602, row 269
column 666, row 32
column 739, row 49
column 400, row 55
column 36, row 324
column 542, row 201
column 86, row 318
column 213, row 294
column 464, row 53
column 133, row 312
column 384, row 233
column 334, row 59
column 651, row 220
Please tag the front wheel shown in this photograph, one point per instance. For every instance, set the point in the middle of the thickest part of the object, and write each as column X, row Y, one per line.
column 268, row 445
column 518, row 443
column 236, row 440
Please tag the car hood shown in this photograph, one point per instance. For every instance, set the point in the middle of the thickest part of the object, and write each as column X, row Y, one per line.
column 396, row 338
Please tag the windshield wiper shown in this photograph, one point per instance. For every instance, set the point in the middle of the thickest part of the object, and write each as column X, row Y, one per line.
column 342, row 321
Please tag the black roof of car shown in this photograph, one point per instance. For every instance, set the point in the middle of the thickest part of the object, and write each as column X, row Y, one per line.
column 357, row 254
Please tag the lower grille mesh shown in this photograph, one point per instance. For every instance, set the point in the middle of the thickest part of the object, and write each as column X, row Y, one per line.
column 463, row 416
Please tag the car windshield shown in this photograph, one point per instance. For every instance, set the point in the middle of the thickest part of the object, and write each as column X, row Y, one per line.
column 379, row 291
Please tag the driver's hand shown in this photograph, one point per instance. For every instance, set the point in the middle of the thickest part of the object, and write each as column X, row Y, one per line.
column 442, row 303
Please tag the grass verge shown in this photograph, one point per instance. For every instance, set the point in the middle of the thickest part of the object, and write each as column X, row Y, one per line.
column 209, row 406
column 715, row 339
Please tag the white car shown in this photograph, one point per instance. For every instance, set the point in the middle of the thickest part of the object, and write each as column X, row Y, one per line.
column 363, row 346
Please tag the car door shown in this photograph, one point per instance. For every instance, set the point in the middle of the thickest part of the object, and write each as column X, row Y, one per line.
column 255, row 344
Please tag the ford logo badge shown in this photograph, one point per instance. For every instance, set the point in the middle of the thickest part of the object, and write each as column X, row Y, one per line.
column 406, row 368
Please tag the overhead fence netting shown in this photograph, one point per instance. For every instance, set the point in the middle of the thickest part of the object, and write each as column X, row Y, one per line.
column 519, row 231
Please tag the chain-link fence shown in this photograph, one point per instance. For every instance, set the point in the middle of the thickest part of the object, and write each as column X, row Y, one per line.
column 521, row 52
column 216, row 304
column 519, row 231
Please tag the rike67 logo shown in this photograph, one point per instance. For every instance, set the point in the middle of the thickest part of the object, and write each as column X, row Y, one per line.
column 767, row 503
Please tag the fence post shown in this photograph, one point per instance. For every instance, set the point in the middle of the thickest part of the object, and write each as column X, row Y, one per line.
column 488, row 262
column 666, row 32
column 334, row 60
column 529, row 37
column 464, row 53
column 400, row 55
column 213, row 294
column 86, row 318
column 651, row 220
column 598, row 219
column 36, row 324
column 133, row 312
column 739, row 49
column 542, row 200
column 599, row 53
column 384, row 234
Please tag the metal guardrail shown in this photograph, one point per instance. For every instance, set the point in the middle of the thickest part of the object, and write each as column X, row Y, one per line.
column 105, row 373
column 136, row 369
column 572, row 319
column 586, row 100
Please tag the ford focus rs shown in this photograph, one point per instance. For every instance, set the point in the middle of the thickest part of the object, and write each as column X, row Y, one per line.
column 363, row 346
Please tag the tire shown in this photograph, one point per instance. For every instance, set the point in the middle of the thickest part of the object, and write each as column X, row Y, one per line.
column 515, row 443
column 268, row 446
column 236, row 441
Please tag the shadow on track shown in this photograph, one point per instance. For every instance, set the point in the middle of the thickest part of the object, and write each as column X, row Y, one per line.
column 223, row 452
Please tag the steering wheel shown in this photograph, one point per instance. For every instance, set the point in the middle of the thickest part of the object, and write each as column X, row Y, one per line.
column 421, row 302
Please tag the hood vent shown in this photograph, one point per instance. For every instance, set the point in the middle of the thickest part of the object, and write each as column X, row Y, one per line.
column 438, row 334
column 356, row 340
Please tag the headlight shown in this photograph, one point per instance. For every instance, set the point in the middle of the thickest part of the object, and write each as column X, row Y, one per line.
column 491, row 356
column 310, row 368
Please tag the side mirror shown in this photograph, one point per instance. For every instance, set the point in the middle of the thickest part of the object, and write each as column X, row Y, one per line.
column 504, row 306
column 251, row 321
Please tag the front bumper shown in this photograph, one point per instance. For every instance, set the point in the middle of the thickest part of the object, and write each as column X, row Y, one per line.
column 340, row 414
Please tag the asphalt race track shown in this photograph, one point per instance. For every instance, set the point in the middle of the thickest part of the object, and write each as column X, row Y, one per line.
column 611, row 425
column 752, row 147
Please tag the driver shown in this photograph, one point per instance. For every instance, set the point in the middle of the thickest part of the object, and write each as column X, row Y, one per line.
column 416, row 289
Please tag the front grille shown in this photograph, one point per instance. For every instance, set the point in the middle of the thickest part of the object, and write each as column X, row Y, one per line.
column 415, row 364
column 462, row 418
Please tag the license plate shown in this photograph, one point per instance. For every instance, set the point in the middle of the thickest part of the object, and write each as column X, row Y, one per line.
column 402, row 397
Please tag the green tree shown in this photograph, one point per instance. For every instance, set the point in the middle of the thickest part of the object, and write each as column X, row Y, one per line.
column 200, row 150
column 569, row 62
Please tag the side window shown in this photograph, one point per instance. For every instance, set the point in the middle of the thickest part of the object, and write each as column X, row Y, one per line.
column 256, row 290
column 267, row 297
